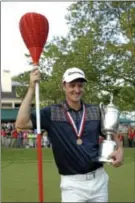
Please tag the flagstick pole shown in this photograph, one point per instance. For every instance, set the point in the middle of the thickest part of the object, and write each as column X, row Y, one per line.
column 39, row 148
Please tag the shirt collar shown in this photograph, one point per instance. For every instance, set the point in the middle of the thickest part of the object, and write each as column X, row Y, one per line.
column 68, row 108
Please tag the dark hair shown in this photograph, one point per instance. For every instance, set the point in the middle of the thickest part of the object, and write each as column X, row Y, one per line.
column 79, row 80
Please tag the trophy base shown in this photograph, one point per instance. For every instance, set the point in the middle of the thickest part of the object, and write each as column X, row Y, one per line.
column 106, row 148
column 103, row 159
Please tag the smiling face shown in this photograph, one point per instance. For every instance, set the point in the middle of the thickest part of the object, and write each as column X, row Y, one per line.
column 74, row 90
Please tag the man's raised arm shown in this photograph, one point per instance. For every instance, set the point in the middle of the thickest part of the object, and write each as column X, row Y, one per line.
column 23, row 120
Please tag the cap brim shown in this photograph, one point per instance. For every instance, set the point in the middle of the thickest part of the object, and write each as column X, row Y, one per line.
column 71, row 79
column 80, row 79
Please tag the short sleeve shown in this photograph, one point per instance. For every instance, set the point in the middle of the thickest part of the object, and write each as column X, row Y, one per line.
column 45, row 120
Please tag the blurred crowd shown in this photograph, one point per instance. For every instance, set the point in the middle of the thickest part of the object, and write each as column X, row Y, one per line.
column 131, row 137
column 16, row 138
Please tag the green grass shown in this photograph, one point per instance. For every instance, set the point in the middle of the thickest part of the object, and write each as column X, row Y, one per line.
column 19, row 177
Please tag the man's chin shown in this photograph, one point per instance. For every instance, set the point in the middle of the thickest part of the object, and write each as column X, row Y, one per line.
column 76, row 99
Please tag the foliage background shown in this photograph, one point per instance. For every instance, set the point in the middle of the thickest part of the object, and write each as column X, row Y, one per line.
column 101, row 41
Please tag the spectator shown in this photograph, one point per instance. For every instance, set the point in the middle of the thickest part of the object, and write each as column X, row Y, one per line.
column 31, row 138
column 133, row 134
column 25, row 138
column 14, row 135
column 130, row 137
column 3, row 136
column 45, row 140
column 19, row 138
column 121, row 138
column 8, row 138
column 5, row 125
column 9, row 126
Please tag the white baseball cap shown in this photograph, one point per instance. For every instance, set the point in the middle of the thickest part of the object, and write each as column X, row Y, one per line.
column 73, row 74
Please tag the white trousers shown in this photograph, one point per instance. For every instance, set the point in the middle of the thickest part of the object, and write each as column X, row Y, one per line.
column 90, row 187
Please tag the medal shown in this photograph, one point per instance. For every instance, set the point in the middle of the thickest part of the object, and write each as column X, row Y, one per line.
column 79, row 141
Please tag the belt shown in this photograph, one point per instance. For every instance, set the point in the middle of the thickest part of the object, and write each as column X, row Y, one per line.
column 83, row 177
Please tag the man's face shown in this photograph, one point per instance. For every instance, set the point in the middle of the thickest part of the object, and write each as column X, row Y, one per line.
column 74, row 90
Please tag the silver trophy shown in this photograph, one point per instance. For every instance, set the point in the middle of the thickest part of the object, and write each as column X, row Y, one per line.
column 109, row 127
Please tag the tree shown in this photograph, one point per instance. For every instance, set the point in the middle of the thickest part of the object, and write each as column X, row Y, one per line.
column 101, row 41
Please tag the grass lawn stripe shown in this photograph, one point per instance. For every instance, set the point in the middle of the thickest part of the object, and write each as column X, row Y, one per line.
column 19, row 177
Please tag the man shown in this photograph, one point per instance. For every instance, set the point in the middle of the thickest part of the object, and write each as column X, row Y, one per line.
column 14, row 135
column 73, row 128
column 121, row 138
column 3, row 136
column 130, row 137
column 133, row 137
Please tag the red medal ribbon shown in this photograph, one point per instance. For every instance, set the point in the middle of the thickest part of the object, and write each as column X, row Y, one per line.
column 71, row 121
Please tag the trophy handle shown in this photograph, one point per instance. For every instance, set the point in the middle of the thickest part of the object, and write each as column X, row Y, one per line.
column 102, row 110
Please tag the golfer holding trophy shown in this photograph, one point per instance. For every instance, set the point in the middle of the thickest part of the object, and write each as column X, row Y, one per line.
column 74, row 128
column 109, row 127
